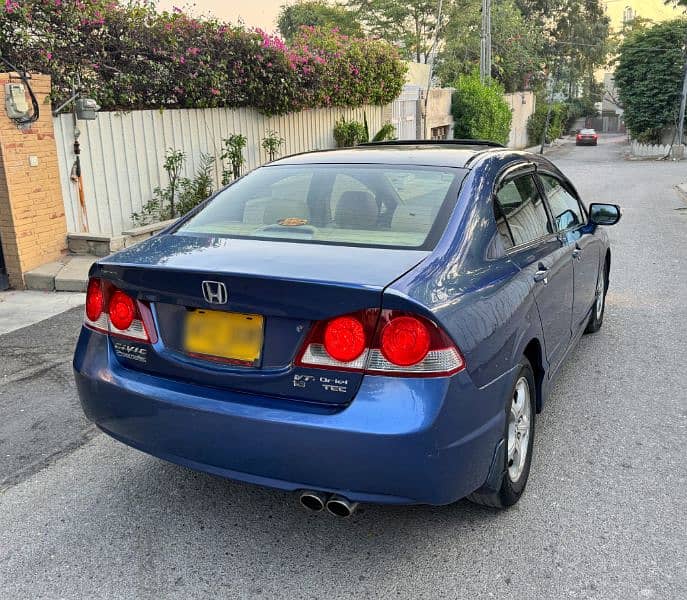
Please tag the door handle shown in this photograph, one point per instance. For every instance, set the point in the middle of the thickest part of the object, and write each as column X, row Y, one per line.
column 542, row 274
column 577, row 252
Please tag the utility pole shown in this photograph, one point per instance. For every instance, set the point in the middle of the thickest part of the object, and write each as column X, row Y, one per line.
column 683, row 103
column 485, row 43
column 432, row 56
column 548, row 112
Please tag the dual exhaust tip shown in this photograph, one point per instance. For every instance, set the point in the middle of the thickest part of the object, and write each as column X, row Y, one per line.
column 336, row 505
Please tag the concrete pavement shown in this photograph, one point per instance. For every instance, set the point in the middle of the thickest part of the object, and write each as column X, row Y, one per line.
column 602, row 518
column 23, row 308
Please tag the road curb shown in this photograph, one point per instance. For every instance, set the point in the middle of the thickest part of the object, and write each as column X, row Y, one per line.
column 682, row 191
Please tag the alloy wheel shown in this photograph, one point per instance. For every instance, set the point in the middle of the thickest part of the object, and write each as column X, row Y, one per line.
column 600, row 296
column 519, row 429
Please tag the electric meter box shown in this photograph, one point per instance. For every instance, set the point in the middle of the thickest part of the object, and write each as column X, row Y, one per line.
column 86, row 109
column 15, row 101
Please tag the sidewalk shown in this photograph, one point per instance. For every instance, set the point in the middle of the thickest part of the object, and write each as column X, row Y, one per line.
column 682, row 190
column 549, row 147
column 21, row 308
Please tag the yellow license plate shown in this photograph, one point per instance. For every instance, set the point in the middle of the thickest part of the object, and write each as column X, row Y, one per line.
column 235, row 337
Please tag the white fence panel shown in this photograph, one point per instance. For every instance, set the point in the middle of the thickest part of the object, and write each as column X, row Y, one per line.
column 122, row 152
column 650, row 150
column 404, row 111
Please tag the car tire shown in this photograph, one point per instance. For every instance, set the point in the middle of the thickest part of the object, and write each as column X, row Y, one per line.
column 597, row 318
column 520, row 425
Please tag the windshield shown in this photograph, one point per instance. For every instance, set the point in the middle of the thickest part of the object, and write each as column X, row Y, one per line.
column 352, row 204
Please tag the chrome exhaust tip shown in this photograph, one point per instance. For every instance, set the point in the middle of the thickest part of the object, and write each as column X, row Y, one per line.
column 341, row 507
column 313, row 501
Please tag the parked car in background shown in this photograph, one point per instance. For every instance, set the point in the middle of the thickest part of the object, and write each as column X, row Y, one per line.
column 587, row 137
column 378, row 324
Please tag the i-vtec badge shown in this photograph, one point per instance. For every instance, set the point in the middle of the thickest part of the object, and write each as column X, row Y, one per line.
column 215, row 292
column 131, row 351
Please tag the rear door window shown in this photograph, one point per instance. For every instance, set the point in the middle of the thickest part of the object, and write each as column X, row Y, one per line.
column 565, row 208
column 359, row 204
column 522, row 207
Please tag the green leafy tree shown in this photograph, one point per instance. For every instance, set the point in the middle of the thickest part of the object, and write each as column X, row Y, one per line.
column 576, row 34
column 517, row 44
column 649, row 78
column 408, row 23
column 316, row 13
column 479, row 110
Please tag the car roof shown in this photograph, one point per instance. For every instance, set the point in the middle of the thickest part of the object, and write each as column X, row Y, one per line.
column 437, row 154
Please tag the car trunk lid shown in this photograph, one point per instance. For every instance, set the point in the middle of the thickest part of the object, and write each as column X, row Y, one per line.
column 286, row 285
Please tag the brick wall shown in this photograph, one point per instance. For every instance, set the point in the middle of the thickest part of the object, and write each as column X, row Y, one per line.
column 32, row 220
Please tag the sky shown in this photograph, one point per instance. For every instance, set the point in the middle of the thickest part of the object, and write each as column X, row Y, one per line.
column 255, row 13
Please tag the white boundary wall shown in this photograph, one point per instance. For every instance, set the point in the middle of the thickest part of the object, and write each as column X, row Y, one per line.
column 522, row 105
column 122, row 152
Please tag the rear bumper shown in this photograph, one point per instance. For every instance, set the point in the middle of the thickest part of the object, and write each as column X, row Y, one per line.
column 401, row 441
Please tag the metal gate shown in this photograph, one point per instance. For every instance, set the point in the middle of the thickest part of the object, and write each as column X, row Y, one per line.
column 404, row 112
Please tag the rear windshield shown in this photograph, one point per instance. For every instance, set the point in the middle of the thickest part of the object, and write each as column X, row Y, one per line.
column 353, row 205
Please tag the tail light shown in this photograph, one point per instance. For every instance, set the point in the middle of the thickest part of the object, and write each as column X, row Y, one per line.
column 381, row 342
column 579, row 136
column 110, row 310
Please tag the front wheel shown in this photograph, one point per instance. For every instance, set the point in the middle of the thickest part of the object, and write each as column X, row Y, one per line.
column 519, row 439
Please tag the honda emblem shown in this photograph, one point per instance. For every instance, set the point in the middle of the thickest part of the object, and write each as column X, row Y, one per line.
column 215, row 292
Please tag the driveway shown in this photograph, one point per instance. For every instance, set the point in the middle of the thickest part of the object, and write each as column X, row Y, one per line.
column 603, row 516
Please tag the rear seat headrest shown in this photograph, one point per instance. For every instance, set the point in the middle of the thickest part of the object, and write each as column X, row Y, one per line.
column 356, row 210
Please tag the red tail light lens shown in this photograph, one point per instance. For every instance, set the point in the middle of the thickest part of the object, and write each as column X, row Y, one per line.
column 381, row 342
column 95, row 300
column 404, row 341
column 110, row 310
column 122, row 310
column 344, row 338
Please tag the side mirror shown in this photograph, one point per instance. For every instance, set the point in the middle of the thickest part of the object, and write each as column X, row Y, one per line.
column 604, row 214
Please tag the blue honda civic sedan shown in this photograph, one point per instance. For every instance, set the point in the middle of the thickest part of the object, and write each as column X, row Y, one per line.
column 377, row 324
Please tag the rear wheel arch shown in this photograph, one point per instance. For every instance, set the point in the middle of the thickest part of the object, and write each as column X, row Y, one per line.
column 533, row 353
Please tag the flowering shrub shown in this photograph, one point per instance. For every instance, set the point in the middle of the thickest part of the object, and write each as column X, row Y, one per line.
column 128, row 56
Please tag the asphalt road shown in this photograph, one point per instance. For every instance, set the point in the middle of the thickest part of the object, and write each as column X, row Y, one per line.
column 603, row 516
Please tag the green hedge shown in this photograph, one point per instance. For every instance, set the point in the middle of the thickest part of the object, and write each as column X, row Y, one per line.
column 479, row 110
column 128, row 56
column 557, row 122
